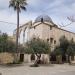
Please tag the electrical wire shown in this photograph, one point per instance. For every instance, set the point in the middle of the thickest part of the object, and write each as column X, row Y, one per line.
column 8, row 22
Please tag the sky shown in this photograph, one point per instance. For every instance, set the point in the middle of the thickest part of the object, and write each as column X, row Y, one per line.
column 58, row 10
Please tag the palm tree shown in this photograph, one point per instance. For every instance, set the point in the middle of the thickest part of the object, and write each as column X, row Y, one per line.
column 17, row 5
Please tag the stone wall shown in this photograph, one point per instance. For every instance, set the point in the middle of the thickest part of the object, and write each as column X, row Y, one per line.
column 6, row 58
column 27, row 58
column 44, row 57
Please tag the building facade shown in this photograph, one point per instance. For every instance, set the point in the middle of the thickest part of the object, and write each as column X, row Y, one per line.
column 44, row 28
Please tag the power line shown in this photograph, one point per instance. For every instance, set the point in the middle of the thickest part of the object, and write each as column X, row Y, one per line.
column 8, row 22
column 16, row 24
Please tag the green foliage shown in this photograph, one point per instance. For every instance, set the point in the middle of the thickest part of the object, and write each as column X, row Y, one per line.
column 65, row 47
column 58, row 51
column 11, row 47
column 37, row 46
column 5, row 44
column 21, row 48
column 71, row 48
column 64, row 43
column 18, row 4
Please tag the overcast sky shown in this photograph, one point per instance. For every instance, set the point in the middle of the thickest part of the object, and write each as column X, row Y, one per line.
column 58, row 10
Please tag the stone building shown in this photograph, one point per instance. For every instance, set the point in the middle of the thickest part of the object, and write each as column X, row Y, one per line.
column 44, row 28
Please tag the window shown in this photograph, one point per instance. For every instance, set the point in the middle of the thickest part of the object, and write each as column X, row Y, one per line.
column 72, row 39
column 34, row 38
column 54, row 41
column 34, row 27
column 51, row 40
column 50, row 27
column 47, row 40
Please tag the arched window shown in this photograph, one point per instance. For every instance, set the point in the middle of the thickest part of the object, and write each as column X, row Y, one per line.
column 54, row 41
column 50, row 27
column 51, row 40
column 47, row 39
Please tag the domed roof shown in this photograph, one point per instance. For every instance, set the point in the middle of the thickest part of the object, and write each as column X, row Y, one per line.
column 45, row 18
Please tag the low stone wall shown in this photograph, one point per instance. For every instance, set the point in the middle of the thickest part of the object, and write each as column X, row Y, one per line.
column 59, row 59
column 27, row 58
column 9, row 58
column 44, row 58
column 6, row 58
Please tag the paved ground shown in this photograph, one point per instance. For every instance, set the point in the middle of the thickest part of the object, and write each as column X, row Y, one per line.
column 43, row 70
column 66, row 73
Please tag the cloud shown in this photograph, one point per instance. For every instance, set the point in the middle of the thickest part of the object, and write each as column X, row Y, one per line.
column 4, row 4
column 58, row 10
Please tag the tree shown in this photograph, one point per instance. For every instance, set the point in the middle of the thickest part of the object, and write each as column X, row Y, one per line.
column 7, row 45
column 70, row 50
column 3, row 42
column 71, row 18
column 64, row 43
column 66, row 47
column 62, row 48
column 58, row 51
column 38, row 47
column 11, row 46
column 18, row 5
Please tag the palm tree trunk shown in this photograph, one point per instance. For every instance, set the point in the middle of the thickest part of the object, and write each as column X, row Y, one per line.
column 17, row 34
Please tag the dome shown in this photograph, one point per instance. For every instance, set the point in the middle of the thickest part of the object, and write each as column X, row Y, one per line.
column 45, row 18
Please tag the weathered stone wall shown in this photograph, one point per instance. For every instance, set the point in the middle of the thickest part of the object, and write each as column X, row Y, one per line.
column 6, row 58
column 27, row 58
column 44, row 57
column 44, row 31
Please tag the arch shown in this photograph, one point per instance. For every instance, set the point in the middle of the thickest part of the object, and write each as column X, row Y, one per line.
column 22, row 29
column 24, row 35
